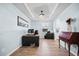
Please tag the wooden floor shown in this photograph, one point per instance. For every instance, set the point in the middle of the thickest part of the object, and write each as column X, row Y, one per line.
column 46, row 48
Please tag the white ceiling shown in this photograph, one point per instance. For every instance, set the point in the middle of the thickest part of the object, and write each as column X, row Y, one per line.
column 37, row 7
column 33, row 10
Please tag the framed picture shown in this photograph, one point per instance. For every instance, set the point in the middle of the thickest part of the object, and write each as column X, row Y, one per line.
column 22, row 22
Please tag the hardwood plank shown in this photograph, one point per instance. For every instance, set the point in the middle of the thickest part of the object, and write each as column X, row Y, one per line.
column 46, row 48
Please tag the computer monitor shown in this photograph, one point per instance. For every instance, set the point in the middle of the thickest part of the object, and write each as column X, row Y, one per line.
column 30, row 30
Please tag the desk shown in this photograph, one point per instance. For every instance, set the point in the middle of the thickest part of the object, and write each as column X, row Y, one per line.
column 27, row 40
column 70, row 38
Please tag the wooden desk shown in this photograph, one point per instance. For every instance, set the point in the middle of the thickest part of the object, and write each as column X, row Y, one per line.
column 70, row 38
column 28, row 40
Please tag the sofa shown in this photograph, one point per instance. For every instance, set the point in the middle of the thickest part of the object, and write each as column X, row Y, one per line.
column 49, row 36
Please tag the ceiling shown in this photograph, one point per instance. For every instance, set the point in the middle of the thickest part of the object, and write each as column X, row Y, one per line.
column 33, row 10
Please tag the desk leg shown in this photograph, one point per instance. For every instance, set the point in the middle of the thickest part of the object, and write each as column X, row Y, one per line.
column 69, row 49
column 37, row 42
column 65, row 45
column 78, row 51
column 59, row 43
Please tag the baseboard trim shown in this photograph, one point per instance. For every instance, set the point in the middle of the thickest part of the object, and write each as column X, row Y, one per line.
column 13, row 50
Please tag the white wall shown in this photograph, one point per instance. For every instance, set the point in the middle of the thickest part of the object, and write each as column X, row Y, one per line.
column 10, row 33
column 39, row 25
column 60, row 22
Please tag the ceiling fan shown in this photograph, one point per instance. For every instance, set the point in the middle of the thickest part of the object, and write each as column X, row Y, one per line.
column 42, row 13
